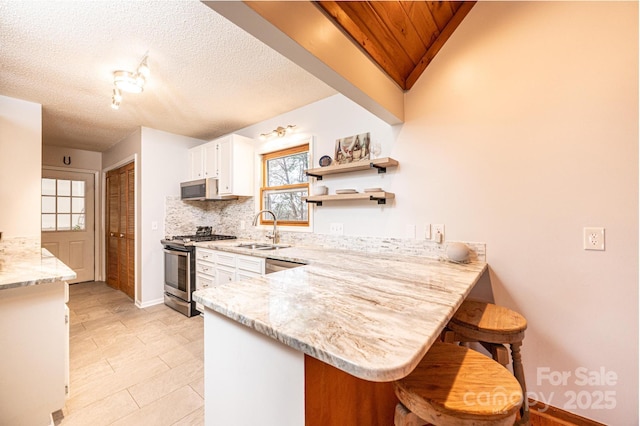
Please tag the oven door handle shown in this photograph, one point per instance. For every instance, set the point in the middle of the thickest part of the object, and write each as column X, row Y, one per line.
column 184, row 253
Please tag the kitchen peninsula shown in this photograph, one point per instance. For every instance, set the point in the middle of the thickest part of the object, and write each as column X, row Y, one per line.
column 33, row 335
column 371, row 316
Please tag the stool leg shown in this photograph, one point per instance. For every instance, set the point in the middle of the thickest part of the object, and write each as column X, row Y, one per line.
column 404, row 417
column 518, row 371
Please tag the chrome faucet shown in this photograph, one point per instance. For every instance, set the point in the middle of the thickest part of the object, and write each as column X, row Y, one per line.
column 274, row 236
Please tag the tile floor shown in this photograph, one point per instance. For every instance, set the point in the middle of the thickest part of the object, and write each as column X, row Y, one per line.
column 132, row 366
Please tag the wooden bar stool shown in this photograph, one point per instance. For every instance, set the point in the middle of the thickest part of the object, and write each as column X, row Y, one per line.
column 454, row 385
column 492, row 326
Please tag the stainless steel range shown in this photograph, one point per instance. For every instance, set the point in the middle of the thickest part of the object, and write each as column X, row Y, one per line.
column 180, row 268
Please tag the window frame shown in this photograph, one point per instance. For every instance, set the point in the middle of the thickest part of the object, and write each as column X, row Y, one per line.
column 284, row 152
column 56, row 213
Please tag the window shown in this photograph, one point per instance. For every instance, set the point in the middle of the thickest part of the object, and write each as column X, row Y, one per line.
column 284, row 186
column 62, row 206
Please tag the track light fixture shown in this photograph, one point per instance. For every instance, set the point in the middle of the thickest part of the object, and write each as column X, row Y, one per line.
column 128, row 81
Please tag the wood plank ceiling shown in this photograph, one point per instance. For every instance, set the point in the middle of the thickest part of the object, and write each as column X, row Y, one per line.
column 402, row 37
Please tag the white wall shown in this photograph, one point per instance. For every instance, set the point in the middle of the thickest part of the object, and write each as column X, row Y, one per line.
column 521, row 132
column 328, row 120
column 161, row 164
column 20, row 161
column 122, row 151
column 79, row 158
column 164, row 164
column 528, row 123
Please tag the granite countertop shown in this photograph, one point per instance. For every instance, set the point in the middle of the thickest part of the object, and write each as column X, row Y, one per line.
column 31, row 266
column 373, row 316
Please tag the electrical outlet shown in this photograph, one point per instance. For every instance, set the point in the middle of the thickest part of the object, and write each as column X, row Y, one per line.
column 427, row 231
column 336, row 229
column 437, row 233
column 593, row 238
column 410, row 231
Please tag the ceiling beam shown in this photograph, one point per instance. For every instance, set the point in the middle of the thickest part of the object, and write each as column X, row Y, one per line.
column 301, row 32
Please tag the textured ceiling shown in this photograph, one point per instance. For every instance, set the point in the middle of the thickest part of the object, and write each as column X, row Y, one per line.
column 208, row 77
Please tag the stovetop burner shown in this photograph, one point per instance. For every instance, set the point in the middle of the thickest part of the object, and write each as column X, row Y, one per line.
column 198, row 238
column 203, row 233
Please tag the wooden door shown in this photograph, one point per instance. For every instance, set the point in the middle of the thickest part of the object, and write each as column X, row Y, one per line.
column 68, row 218
column 120, row 235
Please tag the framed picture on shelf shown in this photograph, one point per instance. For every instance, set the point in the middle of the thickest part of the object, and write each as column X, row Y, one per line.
column 352, row 149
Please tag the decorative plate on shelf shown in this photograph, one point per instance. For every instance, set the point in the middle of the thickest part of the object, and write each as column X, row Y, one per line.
column 373, row 190
column 346, row 191
column 325, row 161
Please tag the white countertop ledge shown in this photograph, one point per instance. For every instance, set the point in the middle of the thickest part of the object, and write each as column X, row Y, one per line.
column 371, row 315
column 31, row 266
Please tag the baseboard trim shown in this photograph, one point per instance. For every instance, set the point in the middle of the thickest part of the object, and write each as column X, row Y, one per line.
column 149, row 303
column 547, row 415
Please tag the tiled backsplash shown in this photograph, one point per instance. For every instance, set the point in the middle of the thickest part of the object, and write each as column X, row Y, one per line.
column 182, row 217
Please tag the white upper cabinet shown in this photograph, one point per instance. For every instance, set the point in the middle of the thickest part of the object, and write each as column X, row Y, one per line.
column 210, row 162
column 235, row 156
column 203, row 161
column 230, row 160
column 196, row 156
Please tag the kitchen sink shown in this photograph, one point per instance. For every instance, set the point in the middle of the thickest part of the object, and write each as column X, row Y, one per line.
column 262, row 246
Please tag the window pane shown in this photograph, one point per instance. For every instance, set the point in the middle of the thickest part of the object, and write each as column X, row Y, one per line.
column 48, row 222
column 287, row 205
column 64, row 187
column 64, row 222
column 48, row 204
column 64, row 204
column 287, row 170
column 77, row 205
column 77, row 188
column 48, row 186
column 77, row 222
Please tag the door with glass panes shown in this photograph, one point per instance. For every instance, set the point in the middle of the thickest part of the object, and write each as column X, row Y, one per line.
column 67, row 220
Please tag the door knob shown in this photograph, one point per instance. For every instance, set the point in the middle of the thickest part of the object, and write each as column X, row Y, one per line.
column 121, row 235
column 111, row 234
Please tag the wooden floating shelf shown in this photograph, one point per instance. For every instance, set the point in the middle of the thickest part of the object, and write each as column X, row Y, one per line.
column 380, row 164
column 381, row 197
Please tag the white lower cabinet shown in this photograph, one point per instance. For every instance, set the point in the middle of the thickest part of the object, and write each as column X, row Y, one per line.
column 33, row 353
column 214, row 267
column 225, row 274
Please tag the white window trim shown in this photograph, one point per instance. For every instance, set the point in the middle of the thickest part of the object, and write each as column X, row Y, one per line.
column 276, row 145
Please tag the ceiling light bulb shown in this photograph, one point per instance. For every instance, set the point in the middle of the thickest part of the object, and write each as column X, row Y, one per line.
column 117, row 95
column 143, row 69
column 126, row 80
column 140, row 81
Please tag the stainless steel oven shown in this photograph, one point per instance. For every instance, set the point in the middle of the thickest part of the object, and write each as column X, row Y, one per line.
column 179, row 278
column 180, row 268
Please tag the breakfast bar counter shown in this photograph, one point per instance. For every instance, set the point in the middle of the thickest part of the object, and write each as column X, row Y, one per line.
column 31, row 266
column 373, row 316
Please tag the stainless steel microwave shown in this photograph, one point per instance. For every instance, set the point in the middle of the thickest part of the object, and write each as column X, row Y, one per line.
column 201, row 189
